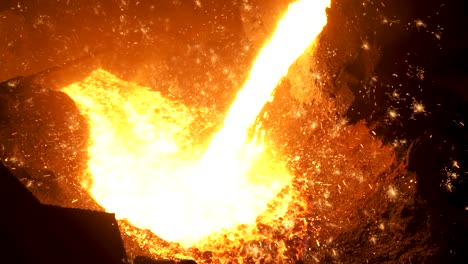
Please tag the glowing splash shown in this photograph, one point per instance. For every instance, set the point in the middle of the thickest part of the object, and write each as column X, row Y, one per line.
column 145, row 164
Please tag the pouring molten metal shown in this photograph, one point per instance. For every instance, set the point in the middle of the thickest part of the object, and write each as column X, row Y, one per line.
column 144, row 162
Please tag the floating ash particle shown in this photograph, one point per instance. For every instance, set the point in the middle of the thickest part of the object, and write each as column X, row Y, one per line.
column 365, row 45
column 448, row 186
column 29, row 183
column 418, row 107
column 382, row 226
column 13, row 83
column 395, row 95
column 453, row 175
column 392, row 113
column 392, row 192
column 247, row 7
column 390, row 22
column 420, row 24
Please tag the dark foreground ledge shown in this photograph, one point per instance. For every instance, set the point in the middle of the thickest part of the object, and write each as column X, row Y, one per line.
column 32, row 232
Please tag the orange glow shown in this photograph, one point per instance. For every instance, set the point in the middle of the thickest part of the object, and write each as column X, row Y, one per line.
column 146, row 166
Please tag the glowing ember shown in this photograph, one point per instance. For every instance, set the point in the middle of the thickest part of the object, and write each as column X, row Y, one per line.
column 144, row 160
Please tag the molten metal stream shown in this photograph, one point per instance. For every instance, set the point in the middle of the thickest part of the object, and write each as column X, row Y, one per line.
column 145, row 167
